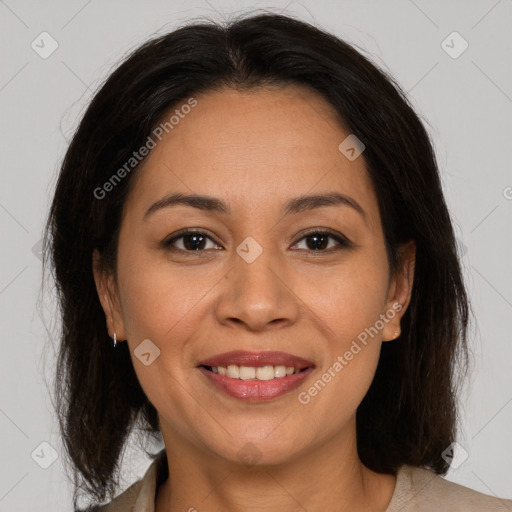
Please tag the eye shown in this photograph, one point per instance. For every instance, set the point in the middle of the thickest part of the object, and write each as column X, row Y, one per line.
column 193, row 240
column 189, row 241
column 319, row 241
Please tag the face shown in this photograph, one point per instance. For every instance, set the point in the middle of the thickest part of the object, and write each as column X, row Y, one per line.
column 263, row 273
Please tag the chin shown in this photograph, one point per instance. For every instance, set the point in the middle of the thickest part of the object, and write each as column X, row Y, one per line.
column 259, row 451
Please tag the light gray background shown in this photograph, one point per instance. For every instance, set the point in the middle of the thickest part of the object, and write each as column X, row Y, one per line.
column 467, row 101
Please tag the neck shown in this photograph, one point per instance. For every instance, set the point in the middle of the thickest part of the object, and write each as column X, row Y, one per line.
column 329, row 476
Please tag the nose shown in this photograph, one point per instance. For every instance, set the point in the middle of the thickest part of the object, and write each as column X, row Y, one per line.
column 258, row 295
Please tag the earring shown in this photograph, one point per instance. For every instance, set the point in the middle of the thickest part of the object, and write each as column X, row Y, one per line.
column 397, row 333
column 115, row 335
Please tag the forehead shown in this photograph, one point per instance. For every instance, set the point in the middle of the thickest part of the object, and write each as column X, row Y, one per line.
column 254, row 148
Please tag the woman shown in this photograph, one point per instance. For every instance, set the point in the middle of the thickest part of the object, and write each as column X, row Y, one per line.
column 253, row 214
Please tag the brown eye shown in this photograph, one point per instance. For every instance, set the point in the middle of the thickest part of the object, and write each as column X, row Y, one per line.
column 189, row 241
column 319, row 241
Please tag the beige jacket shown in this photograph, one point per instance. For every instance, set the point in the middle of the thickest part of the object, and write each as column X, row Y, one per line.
column 417, row 490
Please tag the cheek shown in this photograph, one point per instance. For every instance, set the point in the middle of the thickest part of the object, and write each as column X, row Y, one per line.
column 348, row 299
column 163, row 307
column 349, row 358
column 169, row 307
column 156, row 301
column 348, row 308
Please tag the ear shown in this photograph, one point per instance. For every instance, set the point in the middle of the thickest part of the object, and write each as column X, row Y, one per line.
column 105, row 286
column 400, row 290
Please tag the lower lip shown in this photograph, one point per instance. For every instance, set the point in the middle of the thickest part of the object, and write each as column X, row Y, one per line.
column 256, row 390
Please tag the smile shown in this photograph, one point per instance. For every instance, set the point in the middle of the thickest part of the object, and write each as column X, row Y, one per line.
column 252, row 376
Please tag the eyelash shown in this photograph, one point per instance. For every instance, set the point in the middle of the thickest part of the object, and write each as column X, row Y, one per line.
column 342, row 241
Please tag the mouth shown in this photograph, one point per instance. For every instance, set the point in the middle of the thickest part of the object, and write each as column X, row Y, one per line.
column 256, row 376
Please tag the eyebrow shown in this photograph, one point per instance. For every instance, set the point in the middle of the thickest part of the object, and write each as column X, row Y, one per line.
column 296, row 205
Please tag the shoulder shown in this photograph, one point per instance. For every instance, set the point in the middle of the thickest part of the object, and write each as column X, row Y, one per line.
column 125, row 502
column 140, row 496
column 421, row 490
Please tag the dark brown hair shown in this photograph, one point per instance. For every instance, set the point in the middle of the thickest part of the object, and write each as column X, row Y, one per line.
column 409, row 413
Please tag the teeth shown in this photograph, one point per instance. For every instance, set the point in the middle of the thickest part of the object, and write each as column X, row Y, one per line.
column 247, row 372
column 233, row 371
column 250, row 372
column 266, row 373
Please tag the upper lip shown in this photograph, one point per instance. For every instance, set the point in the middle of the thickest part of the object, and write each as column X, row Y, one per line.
column 256, row 359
